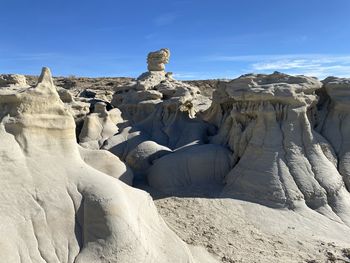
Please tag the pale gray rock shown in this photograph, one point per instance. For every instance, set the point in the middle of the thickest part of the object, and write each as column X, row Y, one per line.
column 107, row 163
column 161, row 109
column 336, row 125
column 193, row 166
column 54, row 207
column 141, row 158
column 279, row 158
column 124, row 142
column 99, row 126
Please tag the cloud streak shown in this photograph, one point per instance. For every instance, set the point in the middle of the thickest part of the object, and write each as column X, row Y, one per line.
column 318, row 65
column 165, row 19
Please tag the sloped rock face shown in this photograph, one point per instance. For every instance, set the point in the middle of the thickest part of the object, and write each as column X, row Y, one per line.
column 199, row 165
column 54, row 206
column 336, row 123
column 99, row 126
column 279, row 160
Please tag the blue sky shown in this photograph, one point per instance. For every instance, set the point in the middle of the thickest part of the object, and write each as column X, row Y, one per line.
column 207, row 38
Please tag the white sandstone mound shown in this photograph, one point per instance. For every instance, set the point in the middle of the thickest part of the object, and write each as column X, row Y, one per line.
column 265, row 121
column 99, row 126
column 108, row 163
column 56, row 206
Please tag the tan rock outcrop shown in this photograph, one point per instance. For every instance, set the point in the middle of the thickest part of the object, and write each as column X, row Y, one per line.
column 156, row 60
column 8, row 80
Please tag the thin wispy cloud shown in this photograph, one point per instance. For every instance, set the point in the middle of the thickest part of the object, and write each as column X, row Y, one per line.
column 109, row 28
column 318, row 65
column 28, row 57
column 192, row 75
column 165, row 19
column 286, row 64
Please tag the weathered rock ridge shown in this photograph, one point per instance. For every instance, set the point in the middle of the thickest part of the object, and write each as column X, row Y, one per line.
column 56, row 205
column 268, row 138
column 279, row 159
column 70, row 160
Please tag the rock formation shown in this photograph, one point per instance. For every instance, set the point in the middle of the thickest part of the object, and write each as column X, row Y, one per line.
column 67, row 192
column 279, row 159
column 8, row 80
column 335, row 126
column 156, row 60
column 160, row 112
column 99, row 126
column 54, row 206
column 197, row 165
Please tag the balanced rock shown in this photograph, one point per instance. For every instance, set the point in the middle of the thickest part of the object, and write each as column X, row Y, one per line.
column 161, row 109
column 156, row 60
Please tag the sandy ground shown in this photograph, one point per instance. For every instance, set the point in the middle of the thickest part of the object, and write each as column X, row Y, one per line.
column 239, row 231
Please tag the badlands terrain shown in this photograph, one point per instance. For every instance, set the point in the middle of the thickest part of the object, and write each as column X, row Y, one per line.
column 156, row 170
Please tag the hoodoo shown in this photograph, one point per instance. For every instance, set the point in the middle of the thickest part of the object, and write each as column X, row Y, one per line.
column 55, row 207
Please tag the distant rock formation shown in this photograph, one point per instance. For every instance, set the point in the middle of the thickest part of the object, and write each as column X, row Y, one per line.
column 280, row 160
column 99, row 126
column 156, row 60
column 274, row 155
column 273, row 139
column 158, row 109
column 57, row 202
column 7, row 80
